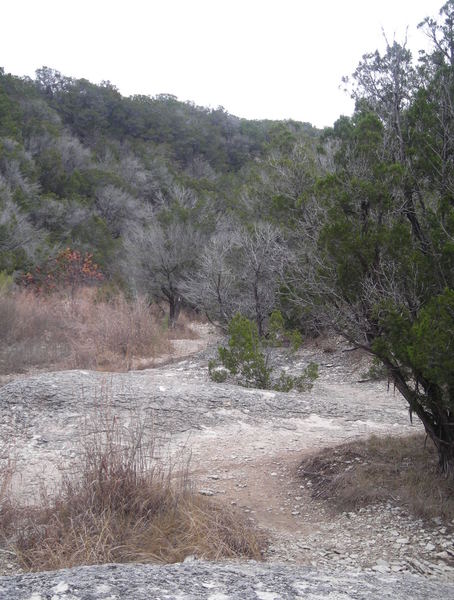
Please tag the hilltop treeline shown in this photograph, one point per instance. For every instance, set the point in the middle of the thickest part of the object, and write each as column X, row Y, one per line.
column 79, row 163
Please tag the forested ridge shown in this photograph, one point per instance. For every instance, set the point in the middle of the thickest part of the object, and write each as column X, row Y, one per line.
column 79, row 162
column 350, row 228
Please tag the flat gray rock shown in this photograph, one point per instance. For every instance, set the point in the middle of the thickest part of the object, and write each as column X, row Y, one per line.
column 197, row 580
column 45, row 414
column 182, row 398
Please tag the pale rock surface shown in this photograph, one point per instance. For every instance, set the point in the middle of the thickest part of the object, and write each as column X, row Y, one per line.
column 214, row 581
column 245, row 446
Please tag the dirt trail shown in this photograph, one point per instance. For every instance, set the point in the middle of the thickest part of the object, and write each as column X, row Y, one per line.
column 254, row 468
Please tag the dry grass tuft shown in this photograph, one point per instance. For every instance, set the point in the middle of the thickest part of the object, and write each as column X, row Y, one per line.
column 402, row 470
column 122, row 505
column 64, row 331
column 7, row 469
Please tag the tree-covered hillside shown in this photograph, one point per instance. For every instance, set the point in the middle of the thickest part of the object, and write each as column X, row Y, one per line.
column 79, row 163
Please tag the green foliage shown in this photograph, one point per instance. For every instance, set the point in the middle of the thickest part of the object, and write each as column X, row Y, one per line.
column 247, row 360
column 302, row 382
column 217, row 372
column 165, row 322
column 10, row 113
column 6, row 282
column 279, row 335
column 384, row 251
column 276, row 326
column 431, row 347
column 244, row 356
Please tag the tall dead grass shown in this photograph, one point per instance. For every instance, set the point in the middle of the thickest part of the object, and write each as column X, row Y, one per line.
column 401, row 470
column 65, row 331
column 7, row 469
column 31, row 332
column 124, row 504
column 110, row 334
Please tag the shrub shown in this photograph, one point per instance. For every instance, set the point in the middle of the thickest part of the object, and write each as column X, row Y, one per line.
column 279, row 335
column 70, row 269
column 6, row 282
column 244, row 356
column 378, row 470
column 302, row 383
column 123, row 504
column 217, row 372
column 247, row 358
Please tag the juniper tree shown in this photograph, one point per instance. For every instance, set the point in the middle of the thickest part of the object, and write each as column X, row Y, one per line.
column 380, row 265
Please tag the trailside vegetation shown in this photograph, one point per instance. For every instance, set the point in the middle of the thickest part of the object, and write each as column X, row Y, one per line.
column 248, row 357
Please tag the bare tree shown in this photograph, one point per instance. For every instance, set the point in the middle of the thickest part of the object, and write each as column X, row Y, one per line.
column 17, row 233
column 118, row 209
column 239, row 272
column 145, row 181
column 160, row 258
column 212, row 286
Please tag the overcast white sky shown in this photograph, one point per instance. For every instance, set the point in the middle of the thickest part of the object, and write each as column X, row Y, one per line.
column 258, row 58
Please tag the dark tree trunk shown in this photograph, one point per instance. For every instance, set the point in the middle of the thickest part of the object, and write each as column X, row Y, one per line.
column 446, row 459
column 437, row 419
column 174, row 310
column 174, row 300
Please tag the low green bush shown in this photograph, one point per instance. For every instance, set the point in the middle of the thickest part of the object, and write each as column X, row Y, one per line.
column 247, row 357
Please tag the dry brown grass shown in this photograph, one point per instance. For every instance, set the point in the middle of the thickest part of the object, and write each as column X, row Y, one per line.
column 31, row 332
column 109, row 335
column 122, row 504
column 182, row 329
column 64, row 331
column 402, row 470
column 8, row 507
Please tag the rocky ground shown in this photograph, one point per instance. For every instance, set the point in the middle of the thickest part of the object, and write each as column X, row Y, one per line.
column 210, row 581
column 245, row 445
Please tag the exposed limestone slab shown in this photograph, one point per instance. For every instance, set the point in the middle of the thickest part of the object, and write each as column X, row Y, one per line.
column 212, row 581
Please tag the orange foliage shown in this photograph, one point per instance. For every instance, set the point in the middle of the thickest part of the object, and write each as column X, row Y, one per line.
column 69, row 269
